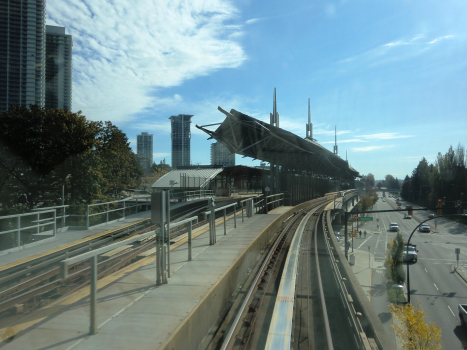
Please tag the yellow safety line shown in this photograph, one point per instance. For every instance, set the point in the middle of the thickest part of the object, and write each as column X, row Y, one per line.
column 65, row 246
column 41, row 314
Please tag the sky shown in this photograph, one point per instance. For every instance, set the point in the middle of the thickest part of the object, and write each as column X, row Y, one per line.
column 391, row 76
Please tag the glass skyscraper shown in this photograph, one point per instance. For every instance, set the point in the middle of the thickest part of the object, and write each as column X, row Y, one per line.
column 181, row 137
column 22, row 53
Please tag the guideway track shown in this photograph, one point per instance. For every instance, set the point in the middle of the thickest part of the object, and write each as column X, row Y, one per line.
column 314, row 309
column 34, row 292
column 249, row 328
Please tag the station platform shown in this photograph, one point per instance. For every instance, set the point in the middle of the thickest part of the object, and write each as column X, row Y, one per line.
column 134, row 313
column 64, row 239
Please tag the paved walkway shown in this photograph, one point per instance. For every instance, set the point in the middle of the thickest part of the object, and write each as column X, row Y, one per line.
column 132, row 312
column 66, row 237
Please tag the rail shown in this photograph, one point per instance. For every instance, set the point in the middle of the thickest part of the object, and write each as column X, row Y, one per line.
column 280, row 330
column 93, row 255
column 345, row 296
column 190, row 195
column 32, row 223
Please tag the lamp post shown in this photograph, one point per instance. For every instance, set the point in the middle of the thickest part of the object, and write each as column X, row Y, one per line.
column 408, row 242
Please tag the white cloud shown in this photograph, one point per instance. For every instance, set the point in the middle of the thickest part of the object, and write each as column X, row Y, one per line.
column 253, row 20
column 122, row 50
column 366, row 149
column 441, row 38
column 385, row 136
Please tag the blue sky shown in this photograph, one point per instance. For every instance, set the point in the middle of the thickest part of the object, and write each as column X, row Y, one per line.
column 391, row 75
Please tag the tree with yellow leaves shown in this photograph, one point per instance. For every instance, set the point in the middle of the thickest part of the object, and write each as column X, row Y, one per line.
column 413, row 331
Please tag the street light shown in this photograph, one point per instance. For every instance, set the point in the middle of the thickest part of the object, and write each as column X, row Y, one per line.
column 408, row 243
column 398, row 287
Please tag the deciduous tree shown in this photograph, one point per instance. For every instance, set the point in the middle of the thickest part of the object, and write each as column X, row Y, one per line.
column 413, row 331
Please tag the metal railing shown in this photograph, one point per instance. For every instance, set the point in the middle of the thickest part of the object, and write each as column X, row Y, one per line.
column 190, row 195
column 92, row 256
column 29, row 224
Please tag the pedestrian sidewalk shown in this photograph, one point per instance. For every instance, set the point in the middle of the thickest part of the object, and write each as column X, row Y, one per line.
column 372, row 277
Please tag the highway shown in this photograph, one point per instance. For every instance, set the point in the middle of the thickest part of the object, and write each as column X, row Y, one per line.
column 433, row 283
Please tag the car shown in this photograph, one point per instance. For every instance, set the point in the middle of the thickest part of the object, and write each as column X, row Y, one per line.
column 424, row 228
column 431, row 216
column 338, row 238
column 384, row 200
column 412, row 253
column 393, row 226
column 407, row 216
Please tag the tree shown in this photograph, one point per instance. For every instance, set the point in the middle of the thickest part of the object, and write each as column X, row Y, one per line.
column 370, row 180
column 413, row 331
column 379, row 185
column 395, row 263
column 34, row 142
column 43, row 150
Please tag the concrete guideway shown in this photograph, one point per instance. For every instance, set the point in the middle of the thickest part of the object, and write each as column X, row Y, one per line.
column 132, row 313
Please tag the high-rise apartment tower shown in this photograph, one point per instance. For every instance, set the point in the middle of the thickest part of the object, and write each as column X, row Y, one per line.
column 220, row 155
column 181, row 136
column 58, row 71
column 22, row 53
column 144, row 149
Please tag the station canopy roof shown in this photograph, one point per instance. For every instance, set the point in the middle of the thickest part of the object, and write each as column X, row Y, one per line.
column 253, row 138
column 187, row 177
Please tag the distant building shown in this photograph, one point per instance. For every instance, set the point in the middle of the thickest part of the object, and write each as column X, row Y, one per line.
column 181, row 137
column 144, row 150
column 22, row 53
column 220, row 155
column 58, row 71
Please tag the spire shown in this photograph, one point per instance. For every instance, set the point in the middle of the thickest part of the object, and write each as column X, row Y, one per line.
column 274, row 116
column 309, row 125
column 335, row 138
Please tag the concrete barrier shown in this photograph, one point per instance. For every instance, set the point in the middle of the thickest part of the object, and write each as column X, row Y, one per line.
column 192, row 330
column 370, row 321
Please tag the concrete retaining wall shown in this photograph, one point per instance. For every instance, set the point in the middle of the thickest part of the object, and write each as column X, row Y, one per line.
column 197, row 324
column 370, row 321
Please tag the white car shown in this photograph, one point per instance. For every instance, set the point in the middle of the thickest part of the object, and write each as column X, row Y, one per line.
column 393, row 226
column 424, row 228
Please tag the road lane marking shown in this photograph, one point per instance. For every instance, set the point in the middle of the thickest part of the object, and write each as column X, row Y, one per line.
column 426, row 270
column 364, row 242
column 451, row 311
column 436, row 286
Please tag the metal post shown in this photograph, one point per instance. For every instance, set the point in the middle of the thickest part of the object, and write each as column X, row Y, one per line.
column 55, row 223
column 242, row 213
column 369, row 256
column 213, row 221
column 18, row 243
column 265, row 203
column 225, row 224
column 168, row 231
column 63, row 206
column 87, row 217
column 124, row 209
column 162, row 236
column 158, row 258
column 93, row 297
column 107, row 214
column 345, row 237
column 38, row 217
column 190, row 227
column 235, row 215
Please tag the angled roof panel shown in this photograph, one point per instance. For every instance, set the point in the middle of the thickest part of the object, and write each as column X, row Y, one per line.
column 251, row 137
column 202, row 176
